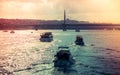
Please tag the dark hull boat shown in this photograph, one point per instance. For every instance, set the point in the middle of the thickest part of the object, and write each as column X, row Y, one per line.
column 77, row 30
column 46, row 39
column 79, row 43
column 12, row 31
column 79, row 40
column 63, row 63
column 63, row 59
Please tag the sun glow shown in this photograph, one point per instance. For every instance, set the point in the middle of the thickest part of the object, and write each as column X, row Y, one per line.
column 27, row 7
column 102, row 11
column 92, row 10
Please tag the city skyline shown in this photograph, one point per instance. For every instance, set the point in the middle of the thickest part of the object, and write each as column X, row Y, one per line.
column 101, row 11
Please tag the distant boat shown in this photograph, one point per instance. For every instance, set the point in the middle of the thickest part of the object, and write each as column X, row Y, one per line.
column 64, row 29
column 12, row 31
column 77, row 30
column 36, row 29
column 5, row 31
column 46, row 37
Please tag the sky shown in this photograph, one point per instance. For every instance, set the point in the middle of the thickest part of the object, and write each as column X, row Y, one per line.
column 101, row 11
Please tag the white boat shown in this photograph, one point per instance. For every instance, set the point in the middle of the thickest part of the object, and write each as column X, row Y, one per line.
column 46, row 37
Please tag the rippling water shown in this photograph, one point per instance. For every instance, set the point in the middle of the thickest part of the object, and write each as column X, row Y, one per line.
column 22, row 53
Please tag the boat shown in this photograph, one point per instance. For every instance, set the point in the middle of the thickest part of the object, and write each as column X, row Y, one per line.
column 79, row 40
column 77, row 30
column 12, row 31
column 63, row 58
column 5, row 31
column 46, row 37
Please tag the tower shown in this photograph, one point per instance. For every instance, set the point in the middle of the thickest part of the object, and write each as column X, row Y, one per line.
column 64, row 24
column 64, row 17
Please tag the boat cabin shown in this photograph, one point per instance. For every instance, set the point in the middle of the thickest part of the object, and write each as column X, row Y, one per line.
column 79, row 40
column 46, row 37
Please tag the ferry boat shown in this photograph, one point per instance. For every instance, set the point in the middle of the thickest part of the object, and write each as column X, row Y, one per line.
column 63, row 58
column 46, row 37
column 79, row 40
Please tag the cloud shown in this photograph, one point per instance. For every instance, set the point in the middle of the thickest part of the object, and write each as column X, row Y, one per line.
column 20, row 1
column 53, row 9
column 72, row 6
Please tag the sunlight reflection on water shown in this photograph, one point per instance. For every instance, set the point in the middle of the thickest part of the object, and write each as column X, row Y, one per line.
column 22, row 49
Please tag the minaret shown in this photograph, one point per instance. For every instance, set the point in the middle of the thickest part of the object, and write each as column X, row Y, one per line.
column 64, row 24
column 64, row 17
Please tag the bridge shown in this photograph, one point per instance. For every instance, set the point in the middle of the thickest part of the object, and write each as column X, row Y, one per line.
column 78, row 26
column 65, row 26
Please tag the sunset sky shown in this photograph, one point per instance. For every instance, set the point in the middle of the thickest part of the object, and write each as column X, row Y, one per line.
column 107, row 11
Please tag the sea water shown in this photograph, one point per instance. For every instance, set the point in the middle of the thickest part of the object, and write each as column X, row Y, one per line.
column 22, row 53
